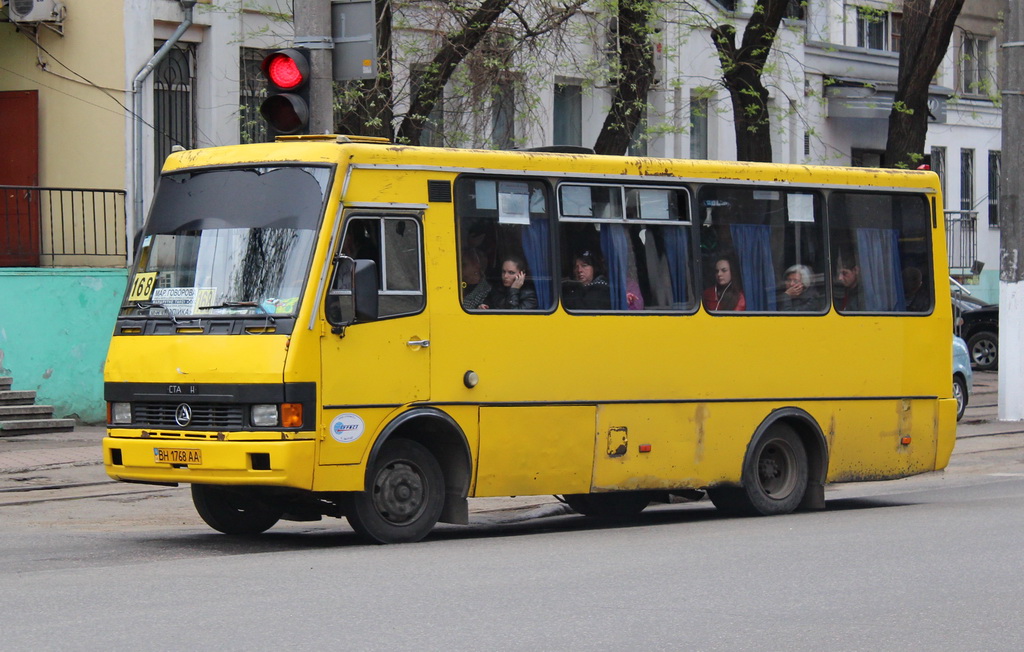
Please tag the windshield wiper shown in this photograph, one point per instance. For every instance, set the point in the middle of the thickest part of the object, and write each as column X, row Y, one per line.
column 145, row 305
column 242, row 304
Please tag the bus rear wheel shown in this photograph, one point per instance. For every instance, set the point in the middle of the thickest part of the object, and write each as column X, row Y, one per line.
column 231, row 511
column 404, row 496
column 617, row 505
column 774, row 476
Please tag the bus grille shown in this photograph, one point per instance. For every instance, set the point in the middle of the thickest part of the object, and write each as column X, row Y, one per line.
column 161, row 415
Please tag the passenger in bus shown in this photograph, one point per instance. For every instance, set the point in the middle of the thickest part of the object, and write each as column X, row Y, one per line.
column 797, row 293
column 727, row 292
column 513, row 293
column 475, row 287
column 914, row 292
column 587, row 289
column 848, row 293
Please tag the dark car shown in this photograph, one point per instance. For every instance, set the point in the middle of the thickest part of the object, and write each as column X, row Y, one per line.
column 977, row 323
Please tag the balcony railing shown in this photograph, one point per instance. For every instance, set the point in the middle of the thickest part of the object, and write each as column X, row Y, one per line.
column 961, row 241
column 62, row 227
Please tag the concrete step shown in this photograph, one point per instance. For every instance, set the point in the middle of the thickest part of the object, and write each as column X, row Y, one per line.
column 26, row 397
column 28, row 411
column 35, row 426
column 5, row 383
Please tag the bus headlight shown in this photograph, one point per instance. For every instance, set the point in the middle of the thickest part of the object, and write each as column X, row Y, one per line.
column 264, row 415
column 120, row 413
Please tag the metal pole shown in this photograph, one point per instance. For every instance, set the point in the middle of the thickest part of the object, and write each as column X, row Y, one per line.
column 1011, row 222
column 313, row 31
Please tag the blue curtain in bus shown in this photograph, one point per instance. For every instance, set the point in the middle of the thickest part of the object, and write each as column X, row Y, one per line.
column 753, row 247
column 536, row 245
column 878, row 255
column 614, row 244
column 677, row 246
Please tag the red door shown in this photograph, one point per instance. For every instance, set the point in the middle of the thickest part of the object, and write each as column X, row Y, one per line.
column 19, row 166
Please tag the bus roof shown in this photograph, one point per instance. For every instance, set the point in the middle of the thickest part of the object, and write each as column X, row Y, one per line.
column 379, row 153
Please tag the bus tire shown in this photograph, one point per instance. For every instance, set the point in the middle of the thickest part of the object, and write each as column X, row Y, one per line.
column 616, row 505
column 404, row 495
column 774, row 476
column 233, row 512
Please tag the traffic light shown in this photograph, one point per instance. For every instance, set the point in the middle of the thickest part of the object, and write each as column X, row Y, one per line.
column 286, row 108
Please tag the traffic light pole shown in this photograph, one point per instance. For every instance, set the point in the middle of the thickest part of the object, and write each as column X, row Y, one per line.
column 1011, row 221
column 313, row 32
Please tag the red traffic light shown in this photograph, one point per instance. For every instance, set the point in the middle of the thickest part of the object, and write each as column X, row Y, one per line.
column 286, row 108
column 286, row 70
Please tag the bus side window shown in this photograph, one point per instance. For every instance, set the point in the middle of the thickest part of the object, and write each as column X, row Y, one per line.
column 881, row 252
column 504, row 237
column 770, row 244
column 395, row 246
column 625, row 248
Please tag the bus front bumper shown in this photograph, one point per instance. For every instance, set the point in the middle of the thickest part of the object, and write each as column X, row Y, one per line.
column 265, row 463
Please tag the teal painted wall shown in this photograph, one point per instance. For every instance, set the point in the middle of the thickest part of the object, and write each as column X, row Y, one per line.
column 55, row 327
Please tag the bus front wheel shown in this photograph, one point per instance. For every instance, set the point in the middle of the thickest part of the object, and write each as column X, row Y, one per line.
column 231, row 511
column 774, row 476
column 404, row 495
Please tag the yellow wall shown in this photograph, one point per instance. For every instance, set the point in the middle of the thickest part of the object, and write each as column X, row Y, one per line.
column 81, row 124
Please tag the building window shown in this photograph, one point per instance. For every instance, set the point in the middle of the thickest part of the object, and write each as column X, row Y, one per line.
column 994, row 173
column 252, row 91
column 872, row 26
column 698, row 126
column 795, row 9
column 568, row 115
column 975, row 76
column 938, row 166
column 433, row 126
column 867, row 158
column 878, row 29
column 638, row 140
column 967, row 179
column 503, row 111
column 174, row 105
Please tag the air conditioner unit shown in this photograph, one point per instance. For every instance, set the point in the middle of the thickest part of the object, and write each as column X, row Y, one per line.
column 35, row 11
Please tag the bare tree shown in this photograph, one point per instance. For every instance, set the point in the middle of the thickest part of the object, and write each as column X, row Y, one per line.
column 926, row 31
column 742, row 69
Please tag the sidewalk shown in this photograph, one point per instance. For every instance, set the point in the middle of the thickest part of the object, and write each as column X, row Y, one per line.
column 52, row 461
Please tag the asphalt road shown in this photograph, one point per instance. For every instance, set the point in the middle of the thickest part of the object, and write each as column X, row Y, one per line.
column 930, row 562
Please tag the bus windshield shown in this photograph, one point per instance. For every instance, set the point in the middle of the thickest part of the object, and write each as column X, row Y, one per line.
column 228, row 242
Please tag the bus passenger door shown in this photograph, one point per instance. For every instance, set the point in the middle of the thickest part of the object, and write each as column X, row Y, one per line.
column 375, row 367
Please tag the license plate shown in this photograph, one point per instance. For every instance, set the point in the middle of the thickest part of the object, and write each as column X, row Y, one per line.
column 178, row 455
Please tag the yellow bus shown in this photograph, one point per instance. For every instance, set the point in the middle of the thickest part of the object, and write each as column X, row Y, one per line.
column 336, row 326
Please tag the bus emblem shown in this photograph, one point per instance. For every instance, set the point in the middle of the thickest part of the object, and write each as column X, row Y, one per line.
column 346, row 428
column 183, row 415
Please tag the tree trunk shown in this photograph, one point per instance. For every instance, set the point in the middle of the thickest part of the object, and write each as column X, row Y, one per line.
column 634, row 77
column 923, row 43
column 742, row 68
column 432, row 80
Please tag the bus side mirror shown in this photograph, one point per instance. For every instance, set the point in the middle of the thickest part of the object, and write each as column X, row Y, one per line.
column 364, row 290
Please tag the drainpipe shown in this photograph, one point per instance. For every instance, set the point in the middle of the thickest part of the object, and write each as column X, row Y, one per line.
column 135, row 224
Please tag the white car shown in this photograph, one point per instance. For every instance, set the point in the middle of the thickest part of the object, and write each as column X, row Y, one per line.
column 962, row 378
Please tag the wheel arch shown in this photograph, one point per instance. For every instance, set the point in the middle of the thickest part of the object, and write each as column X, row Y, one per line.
column 814, row 443
column 440, row 434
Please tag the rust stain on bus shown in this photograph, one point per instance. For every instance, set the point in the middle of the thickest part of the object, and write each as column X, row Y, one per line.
column 700, row 416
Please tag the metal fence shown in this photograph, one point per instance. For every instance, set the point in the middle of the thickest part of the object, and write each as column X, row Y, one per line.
column 62, row 227
column 961, row 240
